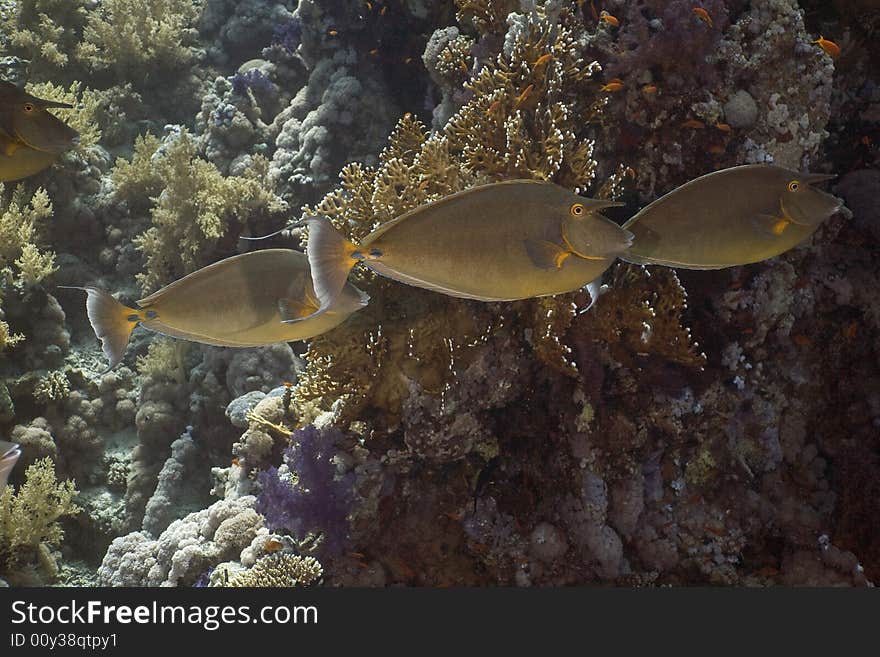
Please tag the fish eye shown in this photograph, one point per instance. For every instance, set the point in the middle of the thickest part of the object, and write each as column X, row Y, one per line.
column 28, row 107
column 576, row 210
column 793, row 186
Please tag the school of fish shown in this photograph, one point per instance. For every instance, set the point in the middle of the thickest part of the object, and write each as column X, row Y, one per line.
column 502, row 241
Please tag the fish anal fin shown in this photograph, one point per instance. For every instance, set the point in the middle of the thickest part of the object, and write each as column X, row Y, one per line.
column 546, row 255
column 292, row 310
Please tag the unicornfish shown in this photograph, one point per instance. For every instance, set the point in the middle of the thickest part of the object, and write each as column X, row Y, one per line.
column 242, row 301
column 730, row 217
column 9, row 453
column 31, row 138
column 498, row 242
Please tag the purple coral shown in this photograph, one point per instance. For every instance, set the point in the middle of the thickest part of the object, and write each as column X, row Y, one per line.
column 253, row 79
column 310, row 497
column 287, row 35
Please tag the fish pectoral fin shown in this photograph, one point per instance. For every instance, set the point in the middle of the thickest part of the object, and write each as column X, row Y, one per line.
column 546, row 255
column 770, row 224
column 294, row 310
column 10, row 147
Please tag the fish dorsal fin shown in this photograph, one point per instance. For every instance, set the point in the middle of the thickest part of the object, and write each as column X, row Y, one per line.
column 296, row 309
column 546, row 255
column 214, row 268
column 451, row 198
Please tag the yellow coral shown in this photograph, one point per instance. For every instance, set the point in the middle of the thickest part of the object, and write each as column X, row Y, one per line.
column 133, row 36
column 45, row 32
column 30, row 517
column 531, row 115
column 8, row 339
column 20, row 219
column 52, row 388
column 279, row 570
column 197, row 206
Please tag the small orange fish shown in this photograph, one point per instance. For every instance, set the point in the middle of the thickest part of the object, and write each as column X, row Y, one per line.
column 723, row 127
column 273, row 545
column 494, row 107
column 608, row 18
column 831, row 48
column 332, row 33
column 614, row 84
column 693, row 124
column 236, row 461
column 703, row 15
column 369, row 6
column 383, row 10
column 649, row 89
column 374, row 52
column 524, row 96
column 542, row 60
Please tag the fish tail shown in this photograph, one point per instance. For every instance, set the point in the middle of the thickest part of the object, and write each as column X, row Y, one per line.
column 331, row 257
column 111, row 321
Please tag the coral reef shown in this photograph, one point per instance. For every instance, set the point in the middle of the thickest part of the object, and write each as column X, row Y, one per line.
column 689, row 428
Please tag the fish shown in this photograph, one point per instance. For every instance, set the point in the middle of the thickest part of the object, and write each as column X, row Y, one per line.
column 609, row 19
column 23, row 163
column 26, row 121
column 650, row 89
column 498, row 242
column 9, row 453
column 542, row 60
column 242, row 301
column 615, row 84
column 693, row 124
column 730, row 217
column 829, row 47
column 524, row 96
column 703, row 15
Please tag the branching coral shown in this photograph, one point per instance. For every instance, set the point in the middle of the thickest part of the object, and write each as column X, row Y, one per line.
column 20, row 219
column 132, row 37
column 197, row 205
column 54, row 387
column 531, row 115
column 279, row 570
column 30, row 516
column 45, row 32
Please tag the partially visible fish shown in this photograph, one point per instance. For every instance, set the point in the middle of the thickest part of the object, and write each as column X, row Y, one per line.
column 9, row 453
column 242, row 301
column 730, row 217
column 498, row 242
column 26, row 121
column 23, row 162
